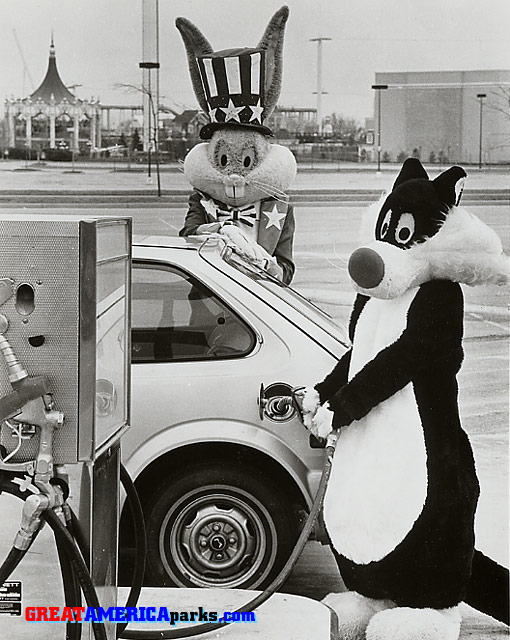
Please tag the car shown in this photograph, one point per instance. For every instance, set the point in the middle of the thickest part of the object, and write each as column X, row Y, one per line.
column 225, row 469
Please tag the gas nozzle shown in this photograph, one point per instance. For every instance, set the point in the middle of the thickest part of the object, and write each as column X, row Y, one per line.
column 16, row 371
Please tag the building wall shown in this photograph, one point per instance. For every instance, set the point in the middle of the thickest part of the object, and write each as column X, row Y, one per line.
column 438, row 114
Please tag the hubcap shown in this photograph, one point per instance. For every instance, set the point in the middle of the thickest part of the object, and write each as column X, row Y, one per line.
column 218, row 539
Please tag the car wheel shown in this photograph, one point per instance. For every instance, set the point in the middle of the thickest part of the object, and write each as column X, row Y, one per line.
column 218, row 526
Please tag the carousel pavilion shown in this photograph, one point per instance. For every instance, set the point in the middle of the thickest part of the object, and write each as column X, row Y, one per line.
column 52, row 117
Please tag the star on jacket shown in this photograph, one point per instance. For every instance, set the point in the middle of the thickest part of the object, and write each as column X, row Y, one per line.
column 274, row 218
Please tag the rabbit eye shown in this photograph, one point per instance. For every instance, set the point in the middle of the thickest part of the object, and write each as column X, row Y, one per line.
column 249, row 157
column 223, row 160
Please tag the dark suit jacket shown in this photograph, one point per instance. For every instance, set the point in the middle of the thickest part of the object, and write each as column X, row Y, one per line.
column 277, row 242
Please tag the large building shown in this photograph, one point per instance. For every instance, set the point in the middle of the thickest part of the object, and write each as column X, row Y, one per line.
column 52, row 117
column 436, row 116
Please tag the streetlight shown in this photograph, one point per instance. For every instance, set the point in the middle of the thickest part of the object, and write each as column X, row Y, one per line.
column 379, row 88
column 480, row 97
column 149, row 66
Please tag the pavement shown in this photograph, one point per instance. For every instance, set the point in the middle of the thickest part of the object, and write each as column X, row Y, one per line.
column 285, row 616
column 21, row 175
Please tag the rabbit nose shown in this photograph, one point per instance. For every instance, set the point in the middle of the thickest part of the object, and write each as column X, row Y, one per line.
column 234, row 186
column 234, row 180
column 366, row 268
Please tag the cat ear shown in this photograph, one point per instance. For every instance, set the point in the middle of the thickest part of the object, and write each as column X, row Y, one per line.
column 196, row 45
column 449, row 185
column 412, row 169
column 272, row 43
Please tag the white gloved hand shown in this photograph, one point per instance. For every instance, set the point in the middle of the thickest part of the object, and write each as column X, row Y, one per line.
column 206, row 229
column 247, row 247
column 317, row 418
column 308, row 401
column 322, row 422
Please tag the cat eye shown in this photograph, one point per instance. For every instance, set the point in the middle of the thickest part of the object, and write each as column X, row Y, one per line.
column 385, row 224
column 405, row 228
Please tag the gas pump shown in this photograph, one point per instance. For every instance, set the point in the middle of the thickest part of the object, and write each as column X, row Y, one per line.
column 64, row 379
column 64, row 405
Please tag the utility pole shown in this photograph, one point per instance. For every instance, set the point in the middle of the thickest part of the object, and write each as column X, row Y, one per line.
column 378, row 88
column 319, row 92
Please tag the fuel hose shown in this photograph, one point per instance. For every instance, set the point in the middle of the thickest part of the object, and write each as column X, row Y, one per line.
column 196, row 630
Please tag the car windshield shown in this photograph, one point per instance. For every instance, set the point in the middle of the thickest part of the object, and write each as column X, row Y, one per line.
column 276, row 287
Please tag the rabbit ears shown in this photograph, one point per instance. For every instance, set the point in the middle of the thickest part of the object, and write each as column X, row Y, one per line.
column 227, row 78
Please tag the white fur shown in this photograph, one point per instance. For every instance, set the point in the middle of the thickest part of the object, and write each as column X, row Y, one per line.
column 354, row 612
column 322, row 422
column 310, row 400
column 273, row 176
column 464, row 250
column 403, row 270
column 369, row 219
column 378, row 482
column 405, row 623
column 316, row 418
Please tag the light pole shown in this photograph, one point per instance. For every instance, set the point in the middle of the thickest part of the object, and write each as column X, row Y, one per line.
column 480, row 97
column 152, row 136
column 379, row 88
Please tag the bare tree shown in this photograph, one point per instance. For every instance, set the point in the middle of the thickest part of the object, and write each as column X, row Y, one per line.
column 499, row 100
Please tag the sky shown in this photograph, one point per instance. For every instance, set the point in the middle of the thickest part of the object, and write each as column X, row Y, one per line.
column 99, row 44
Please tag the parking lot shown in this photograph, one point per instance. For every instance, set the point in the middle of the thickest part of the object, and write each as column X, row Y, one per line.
column 325, row 236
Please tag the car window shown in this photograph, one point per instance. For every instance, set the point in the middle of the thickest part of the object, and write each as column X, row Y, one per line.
column 292, row 297
column 176, row 317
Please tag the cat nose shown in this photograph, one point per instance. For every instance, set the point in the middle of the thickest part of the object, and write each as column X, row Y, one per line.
column 366, row 268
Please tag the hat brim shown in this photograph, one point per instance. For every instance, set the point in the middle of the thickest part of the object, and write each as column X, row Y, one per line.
column 208, row 129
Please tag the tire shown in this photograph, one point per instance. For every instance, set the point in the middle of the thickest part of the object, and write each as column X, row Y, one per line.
column 218, row 526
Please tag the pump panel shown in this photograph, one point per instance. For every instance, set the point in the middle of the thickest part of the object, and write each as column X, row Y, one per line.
column 68, row 314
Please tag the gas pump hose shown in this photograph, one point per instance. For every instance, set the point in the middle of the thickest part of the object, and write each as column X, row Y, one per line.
column 75, row 574
column 189, row 632
column 69, row 548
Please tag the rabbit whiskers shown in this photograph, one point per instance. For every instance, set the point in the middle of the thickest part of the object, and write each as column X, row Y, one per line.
column 274, row 192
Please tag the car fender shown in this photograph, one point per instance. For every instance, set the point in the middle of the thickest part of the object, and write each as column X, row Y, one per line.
column 218, row 432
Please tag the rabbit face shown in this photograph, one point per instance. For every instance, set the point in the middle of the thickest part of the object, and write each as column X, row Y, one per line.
column 240, row 166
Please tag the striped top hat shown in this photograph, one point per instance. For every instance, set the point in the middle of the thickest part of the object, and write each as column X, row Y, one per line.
column 236, row 87
column 233, row 82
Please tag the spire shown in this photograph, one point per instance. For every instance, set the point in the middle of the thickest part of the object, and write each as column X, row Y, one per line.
column 52, row 86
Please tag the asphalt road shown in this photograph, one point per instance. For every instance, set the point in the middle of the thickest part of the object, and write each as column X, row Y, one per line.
column 325, row 237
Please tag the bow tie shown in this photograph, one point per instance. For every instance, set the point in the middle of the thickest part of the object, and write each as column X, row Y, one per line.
column 247, row 215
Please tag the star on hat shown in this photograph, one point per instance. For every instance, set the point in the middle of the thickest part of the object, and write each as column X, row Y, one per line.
column 274, row 217
column 256, row 112
column 231, row 111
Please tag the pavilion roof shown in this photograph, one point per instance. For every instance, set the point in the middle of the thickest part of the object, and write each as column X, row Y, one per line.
column 52, row 87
